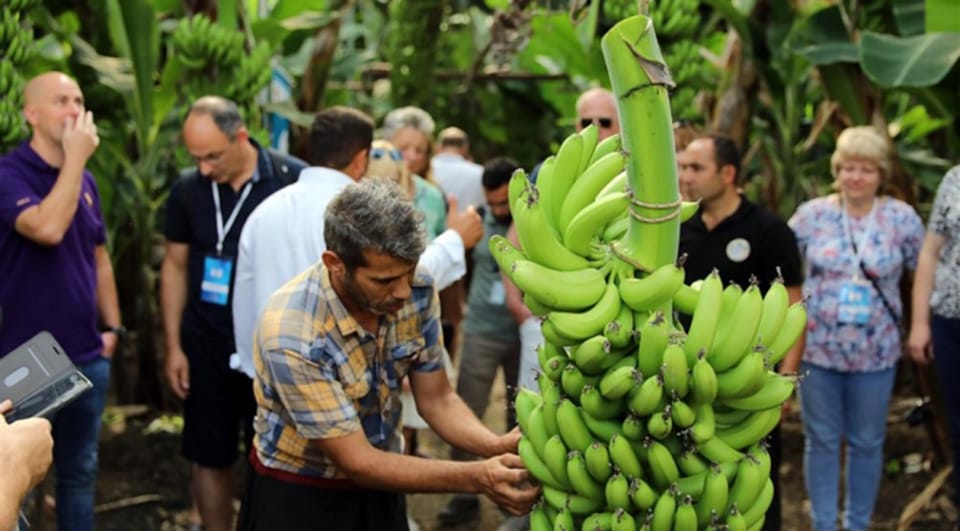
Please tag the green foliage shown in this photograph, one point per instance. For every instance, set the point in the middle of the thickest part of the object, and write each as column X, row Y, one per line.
column 16, row 49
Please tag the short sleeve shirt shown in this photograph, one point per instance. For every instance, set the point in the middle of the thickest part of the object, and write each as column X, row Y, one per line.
column 750, row 242
column 320, row 375
column 891, row 246
column 429, row 201
column 48, row 287
column 191, row 219
column 945, row 221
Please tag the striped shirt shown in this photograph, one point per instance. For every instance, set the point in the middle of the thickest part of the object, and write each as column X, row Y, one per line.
column 320, row 375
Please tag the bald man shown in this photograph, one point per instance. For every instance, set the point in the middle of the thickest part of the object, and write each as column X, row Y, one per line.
column 57, row 274
column 598, row 106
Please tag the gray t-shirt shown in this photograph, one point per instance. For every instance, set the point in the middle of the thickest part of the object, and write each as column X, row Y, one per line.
column 945, row 221
column 487, row 313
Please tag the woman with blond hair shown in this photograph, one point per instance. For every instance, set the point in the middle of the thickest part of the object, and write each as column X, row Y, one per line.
column 856, row 244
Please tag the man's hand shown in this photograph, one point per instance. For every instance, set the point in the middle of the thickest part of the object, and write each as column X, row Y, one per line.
column 507, row 443
column 919, row 344
column 26, row 447
column 177, row 368
column 80, row 138
column 109, row 340
column 467, row 224
column 503, row 480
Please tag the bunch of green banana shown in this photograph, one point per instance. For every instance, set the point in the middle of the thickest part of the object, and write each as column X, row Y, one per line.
column 21, row 5
column 251, row 74
column 16, row 48
column 199, row 43
column 636, row 422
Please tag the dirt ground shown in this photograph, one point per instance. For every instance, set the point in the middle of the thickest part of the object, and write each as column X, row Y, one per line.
column 143, row 480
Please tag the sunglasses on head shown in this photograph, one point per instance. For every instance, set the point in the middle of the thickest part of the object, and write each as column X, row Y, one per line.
column 605, row 123
column 379, row 153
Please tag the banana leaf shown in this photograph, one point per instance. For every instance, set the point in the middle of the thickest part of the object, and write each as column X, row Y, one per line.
column 919, row 61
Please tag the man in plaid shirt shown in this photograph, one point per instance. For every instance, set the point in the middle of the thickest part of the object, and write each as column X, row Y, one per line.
column 331, row 350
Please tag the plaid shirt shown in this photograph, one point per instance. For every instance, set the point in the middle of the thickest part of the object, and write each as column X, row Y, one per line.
column 320, row 375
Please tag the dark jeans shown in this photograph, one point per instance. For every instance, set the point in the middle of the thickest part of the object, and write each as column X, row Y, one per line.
column 946, row 351
column 76, row 430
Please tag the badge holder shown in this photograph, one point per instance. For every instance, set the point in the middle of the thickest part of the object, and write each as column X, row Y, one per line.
column 39, row 379
column 854, row 302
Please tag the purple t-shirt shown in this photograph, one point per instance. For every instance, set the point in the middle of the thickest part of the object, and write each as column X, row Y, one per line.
column 47, row 288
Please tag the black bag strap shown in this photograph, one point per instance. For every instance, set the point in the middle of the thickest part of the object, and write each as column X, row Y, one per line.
column 873, row 281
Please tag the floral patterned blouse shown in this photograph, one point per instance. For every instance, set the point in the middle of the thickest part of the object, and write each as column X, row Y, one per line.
column 945, row 221
column 894, row 243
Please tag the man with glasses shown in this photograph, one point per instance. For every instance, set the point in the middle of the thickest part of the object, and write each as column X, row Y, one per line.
column 598, row 106
column 206, row 210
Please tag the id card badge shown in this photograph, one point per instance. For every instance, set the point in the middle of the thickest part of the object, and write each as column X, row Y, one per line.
column 215, row 287
column 498, row 296
column 855, row 302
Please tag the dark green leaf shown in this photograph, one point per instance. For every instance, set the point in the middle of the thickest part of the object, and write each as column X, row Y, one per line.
column 835, row 52
column 909, row 15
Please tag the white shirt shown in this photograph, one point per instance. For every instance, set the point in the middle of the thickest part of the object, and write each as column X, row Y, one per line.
column 284, row 236
column 460, row 178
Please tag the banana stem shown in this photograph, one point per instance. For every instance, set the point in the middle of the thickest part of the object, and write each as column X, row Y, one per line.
column 641, row 82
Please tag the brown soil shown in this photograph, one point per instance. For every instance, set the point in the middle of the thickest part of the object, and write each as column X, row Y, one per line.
column 133, row 464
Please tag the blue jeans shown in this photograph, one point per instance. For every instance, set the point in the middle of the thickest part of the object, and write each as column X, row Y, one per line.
column 76, row 430
column 840, row 407
column 946, row 356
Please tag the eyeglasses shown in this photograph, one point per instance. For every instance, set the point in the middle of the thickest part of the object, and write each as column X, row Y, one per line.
column 379, row 153
column 605, row 123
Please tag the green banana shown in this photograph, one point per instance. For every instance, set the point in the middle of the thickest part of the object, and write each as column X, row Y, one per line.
column 794, row 324
column 633, row 428
column 574, row 503
column 590, row 355
column 675, row 371
column 538, row 434
column 705, row 426
column 733, row 341
column 704, row 324
column 615, row 229
column 606, row 146
column 519, row 183
column 524, row 403
column 747, row 485
column 718, row 451
column 663, row 467
column 703, row 382
column 620, row 331
column 597, row 459
column 571, row 426
column 572, row 382
column 756, row 510
column 539, row 240
column 622, row 521
column 590, row 138
column 589, row 323
column 617, row 492
column 539, row 521
column 593, row 403
column 534, row 465
column 564, row 520
column 616, row 383
column 654, row 334
column 550, row 393
column 602, row 429
column 713, row 500
column 555, row 458
column 682, row 414
column 580, row 478
column 598, row 522
column 735, row 520
column 728, row 301
column 685, row 519
column 551, row 334
column 757, row 426
column 651, row 291
column 589, row 222
column 642, row 494
column 775, row 304
column 561, row 290
column 585, row 189
column 645, row 399
column 660, row 424
column 664, row 510
column 774, row 390
column 554, row 186
column 554, row 368
column 743, row 379
column 690, row 463
column 685, row 299
column 623, row 457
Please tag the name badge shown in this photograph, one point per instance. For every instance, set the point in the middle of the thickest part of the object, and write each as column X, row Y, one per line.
column 498, row 296
column 855, row 302
column 215, row 287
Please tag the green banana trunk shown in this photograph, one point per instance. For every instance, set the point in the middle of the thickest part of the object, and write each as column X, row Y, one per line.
column 641, row 82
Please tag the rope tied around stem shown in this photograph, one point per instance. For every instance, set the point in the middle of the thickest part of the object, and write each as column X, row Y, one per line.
column 675, row 205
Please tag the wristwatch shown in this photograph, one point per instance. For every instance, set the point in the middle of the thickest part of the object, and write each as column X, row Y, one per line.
column 119, row 331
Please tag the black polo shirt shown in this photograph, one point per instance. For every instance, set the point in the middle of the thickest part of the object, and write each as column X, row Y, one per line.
column 751, row 241
column 191, row 219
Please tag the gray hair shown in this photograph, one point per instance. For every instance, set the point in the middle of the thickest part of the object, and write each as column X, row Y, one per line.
column 414, row 117
column 224, row 113
column 373, row 215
